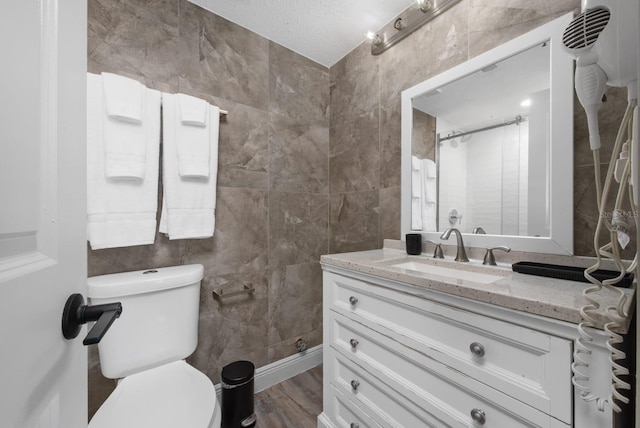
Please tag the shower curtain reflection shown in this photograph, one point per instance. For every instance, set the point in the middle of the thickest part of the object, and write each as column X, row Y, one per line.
column 489, row 179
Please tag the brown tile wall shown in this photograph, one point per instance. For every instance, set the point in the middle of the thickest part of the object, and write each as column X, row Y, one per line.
column 364, row 143
column 273, row 179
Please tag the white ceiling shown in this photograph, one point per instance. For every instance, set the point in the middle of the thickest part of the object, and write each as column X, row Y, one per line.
column 322, row 30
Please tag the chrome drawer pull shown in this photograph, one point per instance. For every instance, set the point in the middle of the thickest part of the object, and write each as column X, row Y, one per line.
column 355, row 384
column 478, row 416
column 353, row 300
column 355, row 425
column 477, row 349
column 354, row 343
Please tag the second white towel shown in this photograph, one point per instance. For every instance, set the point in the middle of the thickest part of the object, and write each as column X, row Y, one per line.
column 423, row 194
column 188, row 205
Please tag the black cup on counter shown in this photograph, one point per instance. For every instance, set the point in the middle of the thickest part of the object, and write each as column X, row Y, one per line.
column 414, row 243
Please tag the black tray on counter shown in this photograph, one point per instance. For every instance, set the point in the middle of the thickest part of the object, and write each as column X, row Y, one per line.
column 570, row 273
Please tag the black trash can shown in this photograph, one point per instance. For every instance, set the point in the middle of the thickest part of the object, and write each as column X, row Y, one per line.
column 237, row 395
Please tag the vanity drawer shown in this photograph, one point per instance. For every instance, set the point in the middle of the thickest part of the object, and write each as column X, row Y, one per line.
column 384, row 405
column 347, row 413
column 395, row 399
column 528, row 365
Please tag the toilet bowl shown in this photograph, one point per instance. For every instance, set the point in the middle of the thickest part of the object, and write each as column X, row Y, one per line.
column 145, row 350
column 173, row 395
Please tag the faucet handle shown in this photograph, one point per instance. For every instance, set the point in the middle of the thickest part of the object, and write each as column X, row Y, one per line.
column 489, row 258
column 437, row 252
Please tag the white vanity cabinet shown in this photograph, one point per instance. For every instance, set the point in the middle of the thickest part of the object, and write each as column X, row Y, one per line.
column 401, row 356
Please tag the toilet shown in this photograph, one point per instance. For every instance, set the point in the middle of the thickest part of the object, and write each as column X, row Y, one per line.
column 145, row 350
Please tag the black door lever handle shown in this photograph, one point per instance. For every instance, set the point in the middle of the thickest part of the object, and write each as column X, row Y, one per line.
column 77, row 313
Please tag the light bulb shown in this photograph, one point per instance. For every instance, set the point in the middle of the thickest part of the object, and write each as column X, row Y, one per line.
column 375, row 38
column 399, row 24
column 424, row 5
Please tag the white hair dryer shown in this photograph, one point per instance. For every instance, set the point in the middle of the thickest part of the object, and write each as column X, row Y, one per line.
column 603, row 39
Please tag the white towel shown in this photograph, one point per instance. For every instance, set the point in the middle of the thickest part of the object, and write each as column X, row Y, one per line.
column 188, row 208
column 416, row 214
column 428, row 172
column 423, row 194
column 121, row 212
column 429, row 217
column 123, row 97
column 193, row 143
column 429, row 199
column 430, row 168
column 124, row 128
column 416, row 193
column 416, row 177
column 193, row 111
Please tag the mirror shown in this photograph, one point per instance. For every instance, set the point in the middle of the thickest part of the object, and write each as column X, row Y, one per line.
column 491, row 149
column 487, row 147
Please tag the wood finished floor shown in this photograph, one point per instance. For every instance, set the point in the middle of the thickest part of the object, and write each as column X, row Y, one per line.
column 294, row 403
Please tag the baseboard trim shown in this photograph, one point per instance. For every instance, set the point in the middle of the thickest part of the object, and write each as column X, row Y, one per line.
column 281, row 370
column 324, row 422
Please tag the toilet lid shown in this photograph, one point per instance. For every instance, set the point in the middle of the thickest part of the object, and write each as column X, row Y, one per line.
column 169, row 396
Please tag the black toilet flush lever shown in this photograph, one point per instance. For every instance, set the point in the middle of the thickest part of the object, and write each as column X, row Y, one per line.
column 77, row 313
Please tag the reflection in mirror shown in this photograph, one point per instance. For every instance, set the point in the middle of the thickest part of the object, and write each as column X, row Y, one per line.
column 487, row 147
column 491, row 150
column 423, row 172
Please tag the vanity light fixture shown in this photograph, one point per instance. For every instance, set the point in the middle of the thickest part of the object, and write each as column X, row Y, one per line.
column 375, row 39
column 409, row 20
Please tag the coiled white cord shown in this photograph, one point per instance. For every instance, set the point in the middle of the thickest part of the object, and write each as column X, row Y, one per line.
column 613, row 314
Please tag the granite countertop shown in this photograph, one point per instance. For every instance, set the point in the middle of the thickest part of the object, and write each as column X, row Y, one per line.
column 548, row 297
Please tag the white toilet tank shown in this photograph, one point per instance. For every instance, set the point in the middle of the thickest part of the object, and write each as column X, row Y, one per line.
column 159, row 320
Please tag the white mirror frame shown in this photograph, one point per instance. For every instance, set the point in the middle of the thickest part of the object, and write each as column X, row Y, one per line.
column 561, row 218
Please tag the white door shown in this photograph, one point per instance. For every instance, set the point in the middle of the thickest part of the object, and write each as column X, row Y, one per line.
column 43, row 381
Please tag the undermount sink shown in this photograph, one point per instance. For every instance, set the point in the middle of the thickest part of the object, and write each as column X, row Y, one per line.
column 447, row 272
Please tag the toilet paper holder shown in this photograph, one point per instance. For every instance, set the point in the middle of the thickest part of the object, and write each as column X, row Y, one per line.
column 219, row 295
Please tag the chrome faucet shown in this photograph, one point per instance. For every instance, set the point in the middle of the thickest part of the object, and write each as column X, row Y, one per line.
column 437, row 252
column 461, row 255
column 479, row 231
